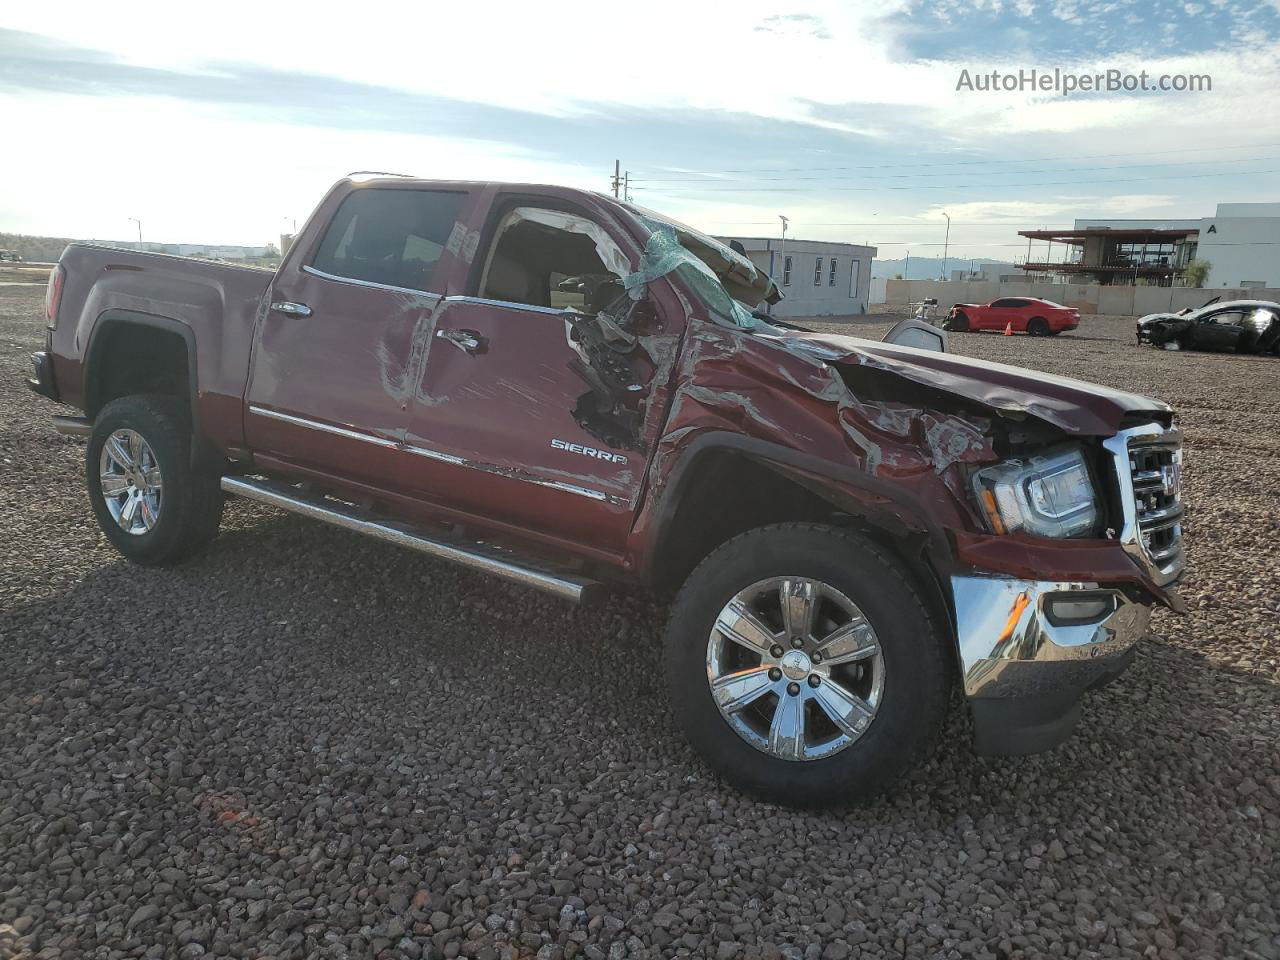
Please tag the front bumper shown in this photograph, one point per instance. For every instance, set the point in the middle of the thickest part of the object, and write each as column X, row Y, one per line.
column 1029, row 649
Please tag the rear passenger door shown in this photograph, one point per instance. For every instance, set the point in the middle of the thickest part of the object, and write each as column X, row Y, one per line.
column 334, row 359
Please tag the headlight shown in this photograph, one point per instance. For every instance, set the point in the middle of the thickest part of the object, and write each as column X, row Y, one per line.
column 1050, row 495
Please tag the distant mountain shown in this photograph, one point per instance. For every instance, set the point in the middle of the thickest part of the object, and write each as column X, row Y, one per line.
column 926, row 268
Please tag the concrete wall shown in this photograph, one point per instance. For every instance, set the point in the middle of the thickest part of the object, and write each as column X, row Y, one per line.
column 1085, row 297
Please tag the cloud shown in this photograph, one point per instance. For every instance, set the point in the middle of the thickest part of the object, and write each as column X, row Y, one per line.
column 798, row 23
column 849, row 104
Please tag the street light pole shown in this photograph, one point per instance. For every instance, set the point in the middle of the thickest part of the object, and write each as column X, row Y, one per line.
column 783, row 252
column 945, row 243
column 139, row 223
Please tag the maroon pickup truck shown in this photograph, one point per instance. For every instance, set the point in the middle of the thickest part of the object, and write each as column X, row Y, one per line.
column 570, row 392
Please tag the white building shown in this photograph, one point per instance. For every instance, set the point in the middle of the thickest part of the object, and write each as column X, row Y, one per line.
column 1242, row 241
column 818, row 278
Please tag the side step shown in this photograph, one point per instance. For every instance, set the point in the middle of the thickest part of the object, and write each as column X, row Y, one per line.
column 483, row 557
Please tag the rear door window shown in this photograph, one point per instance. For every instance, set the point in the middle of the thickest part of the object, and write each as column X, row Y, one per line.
column 393, row 238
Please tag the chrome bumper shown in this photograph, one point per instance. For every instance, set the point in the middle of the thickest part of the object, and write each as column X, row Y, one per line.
column 1026, row 656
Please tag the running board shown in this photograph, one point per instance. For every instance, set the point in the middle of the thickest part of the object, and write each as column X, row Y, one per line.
column 483, row 557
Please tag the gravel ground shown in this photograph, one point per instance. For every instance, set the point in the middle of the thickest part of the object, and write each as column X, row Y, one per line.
column 310, row 744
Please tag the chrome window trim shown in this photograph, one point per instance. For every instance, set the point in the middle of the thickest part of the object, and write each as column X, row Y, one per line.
column 307, row 268
column 508, row 304
column 323, row 427
column 1130, row 534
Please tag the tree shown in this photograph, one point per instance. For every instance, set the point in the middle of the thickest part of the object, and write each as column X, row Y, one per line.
column 1196, row 273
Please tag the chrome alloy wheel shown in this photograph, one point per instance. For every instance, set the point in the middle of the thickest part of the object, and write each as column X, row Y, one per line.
column 795, row 668
column 129, row 477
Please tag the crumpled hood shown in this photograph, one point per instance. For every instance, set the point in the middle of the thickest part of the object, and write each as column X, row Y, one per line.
column 1151, row 318
column 1074, row 406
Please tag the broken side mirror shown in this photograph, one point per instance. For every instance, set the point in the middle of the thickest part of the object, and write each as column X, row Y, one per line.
column 916, row 333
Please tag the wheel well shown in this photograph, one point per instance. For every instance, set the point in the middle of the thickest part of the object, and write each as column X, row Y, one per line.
column 129, row 358
column 728, row 494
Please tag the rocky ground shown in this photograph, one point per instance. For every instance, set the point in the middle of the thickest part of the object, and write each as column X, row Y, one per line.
column 309, row 744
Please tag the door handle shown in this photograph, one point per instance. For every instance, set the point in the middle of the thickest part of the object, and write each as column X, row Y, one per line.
column 291, row 309
column 468, row 341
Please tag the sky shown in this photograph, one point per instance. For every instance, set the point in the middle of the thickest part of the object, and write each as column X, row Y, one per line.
column 228, row 126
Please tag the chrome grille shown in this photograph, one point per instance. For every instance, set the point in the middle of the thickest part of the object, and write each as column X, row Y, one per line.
column 1157, row 481
column 1149, row 470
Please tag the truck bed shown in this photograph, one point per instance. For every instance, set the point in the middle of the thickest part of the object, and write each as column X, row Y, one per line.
column 206, row 302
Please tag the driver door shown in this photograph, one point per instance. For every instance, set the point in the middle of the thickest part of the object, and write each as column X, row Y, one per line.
column 1219, row 331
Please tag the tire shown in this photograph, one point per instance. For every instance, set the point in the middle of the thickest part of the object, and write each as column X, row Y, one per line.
column 178, row 509
column 959, row 323
column 906, row 682
column 1038, row 327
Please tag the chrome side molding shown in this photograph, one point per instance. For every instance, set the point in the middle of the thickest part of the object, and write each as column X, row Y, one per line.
column 482, row 557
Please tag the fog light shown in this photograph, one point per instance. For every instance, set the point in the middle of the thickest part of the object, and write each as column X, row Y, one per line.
column 1065, row 609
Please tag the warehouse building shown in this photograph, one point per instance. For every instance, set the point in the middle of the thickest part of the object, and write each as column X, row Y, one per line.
column 818, row 278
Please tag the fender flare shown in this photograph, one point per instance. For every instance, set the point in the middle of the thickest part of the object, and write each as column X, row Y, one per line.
column 117, row 317
column 823, row 478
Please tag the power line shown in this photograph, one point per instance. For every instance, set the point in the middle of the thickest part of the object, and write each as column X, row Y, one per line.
column 967, row 186
column 907, row 176
column 958, row 163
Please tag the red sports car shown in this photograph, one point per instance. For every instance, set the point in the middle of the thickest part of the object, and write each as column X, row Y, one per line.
column 1040, row 318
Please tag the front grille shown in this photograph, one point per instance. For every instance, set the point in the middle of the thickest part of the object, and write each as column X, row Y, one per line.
column 1155, row 472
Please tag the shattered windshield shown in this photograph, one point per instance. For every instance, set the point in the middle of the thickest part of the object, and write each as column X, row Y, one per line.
column 726, row 282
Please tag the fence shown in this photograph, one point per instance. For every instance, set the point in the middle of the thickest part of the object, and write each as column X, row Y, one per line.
column 1085, row 297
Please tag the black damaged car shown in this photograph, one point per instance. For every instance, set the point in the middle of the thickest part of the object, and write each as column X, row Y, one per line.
column 1234, row 326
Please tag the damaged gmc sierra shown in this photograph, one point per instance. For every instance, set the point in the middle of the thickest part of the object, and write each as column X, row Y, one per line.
column 568, row 391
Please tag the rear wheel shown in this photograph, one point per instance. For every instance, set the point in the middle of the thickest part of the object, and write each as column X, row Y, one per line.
column 804, row 666
column 959, row 323
column 1038, row 327
column 152, row 502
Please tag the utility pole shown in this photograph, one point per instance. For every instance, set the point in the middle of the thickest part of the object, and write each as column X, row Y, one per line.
column 783, row 251
column 945, row 243
column 617, row 176
column 626, row 186
column 139, row 223
column 906, row 271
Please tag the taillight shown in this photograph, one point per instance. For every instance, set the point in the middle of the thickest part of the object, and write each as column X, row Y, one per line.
column 52, row 295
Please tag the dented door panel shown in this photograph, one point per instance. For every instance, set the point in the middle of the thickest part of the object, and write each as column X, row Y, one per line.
column 493, row 430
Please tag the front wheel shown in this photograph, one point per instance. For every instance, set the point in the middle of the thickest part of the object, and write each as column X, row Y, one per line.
column 805, row 667
column 151, row 500
column 958, row 324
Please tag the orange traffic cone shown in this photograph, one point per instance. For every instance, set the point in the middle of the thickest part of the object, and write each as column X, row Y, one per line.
column 1008, row 329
